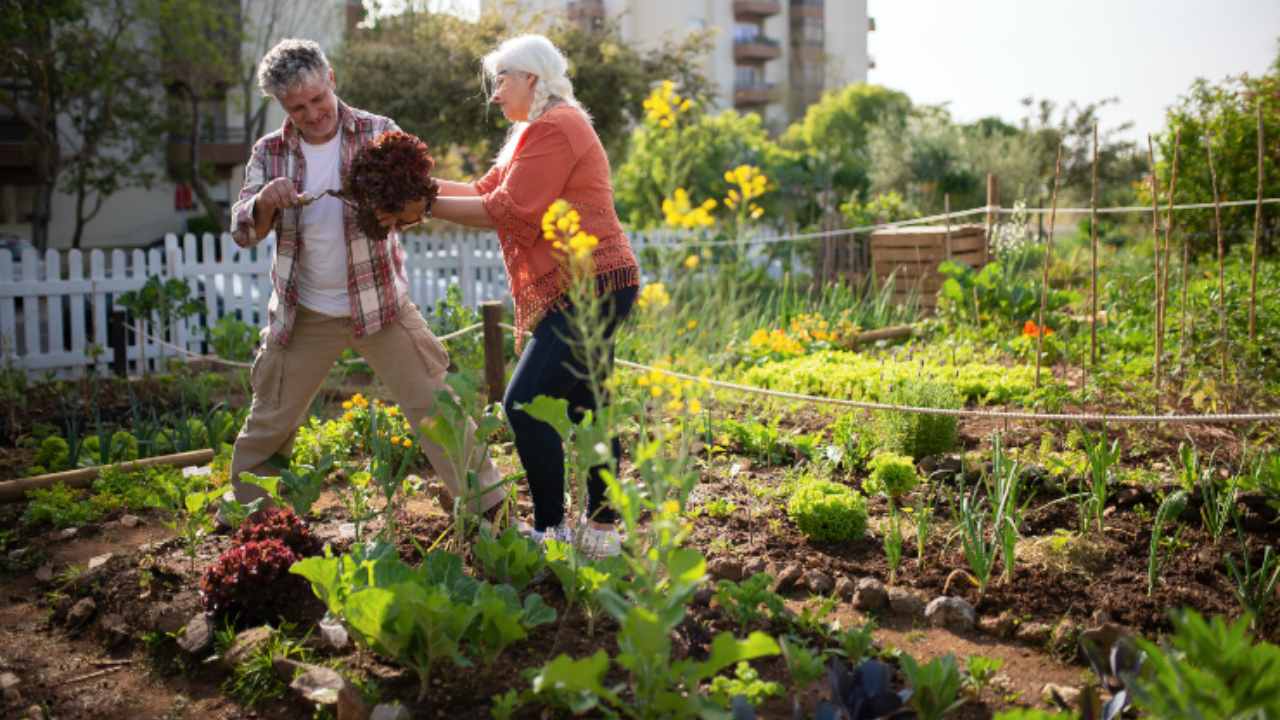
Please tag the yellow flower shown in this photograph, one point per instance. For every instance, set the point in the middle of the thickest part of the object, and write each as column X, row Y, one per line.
column 408, row 442
column 347, row 405
column 348, row 417
column 395, row 439
column 670, row 507
column 695, row 407
column 654, row 295
column 675, row 406
column 693, row 324
column 759, row 338
column 656, row 391
column 582, row 244
column 393, row 411
column 691, row 262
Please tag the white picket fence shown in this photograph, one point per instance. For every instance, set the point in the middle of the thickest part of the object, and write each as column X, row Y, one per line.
column 55, row 306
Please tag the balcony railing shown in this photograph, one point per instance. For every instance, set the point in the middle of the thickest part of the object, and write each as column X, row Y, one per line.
column 755, row 9
column 757, row 48
column 755, row 94
column 221, row 147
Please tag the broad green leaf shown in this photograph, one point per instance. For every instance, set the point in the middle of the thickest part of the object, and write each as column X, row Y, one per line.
column 552, row 411
column 727, row 650
column 577, row 677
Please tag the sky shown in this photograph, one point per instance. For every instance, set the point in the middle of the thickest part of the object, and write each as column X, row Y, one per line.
column 983, row 57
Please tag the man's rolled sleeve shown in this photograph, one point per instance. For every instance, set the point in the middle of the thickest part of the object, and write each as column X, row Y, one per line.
column 243, row 228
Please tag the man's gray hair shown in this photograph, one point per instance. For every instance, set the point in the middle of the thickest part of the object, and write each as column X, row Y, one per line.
column 289, row 64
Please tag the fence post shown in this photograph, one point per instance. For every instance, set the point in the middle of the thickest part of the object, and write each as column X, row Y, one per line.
column 117, row 338
column 993, row 202
column 494, row 364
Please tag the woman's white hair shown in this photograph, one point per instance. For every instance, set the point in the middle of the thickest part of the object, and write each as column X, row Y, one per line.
column 537, row 56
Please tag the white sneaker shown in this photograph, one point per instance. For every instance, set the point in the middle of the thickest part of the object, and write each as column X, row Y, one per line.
column 599, row 544
column 560, row 532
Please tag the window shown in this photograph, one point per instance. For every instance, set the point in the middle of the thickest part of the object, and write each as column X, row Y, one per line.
column 745, row 76
column 745, row 32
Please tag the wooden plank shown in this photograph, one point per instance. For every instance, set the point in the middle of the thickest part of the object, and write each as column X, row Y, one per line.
column 958, row 245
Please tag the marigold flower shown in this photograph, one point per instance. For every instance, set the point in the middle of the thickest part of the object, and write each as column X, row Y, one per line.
column 691, row 262
column 654, row 295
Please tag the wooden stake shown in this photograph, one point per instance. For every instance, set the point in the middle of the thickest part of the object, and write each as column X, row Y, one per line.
column 494, row 362
column 1257, row 231
column 1164, row 260
column 1048, row 257
column 1155, row 235
column 946, row 209
column 993, row 201
column 1093, row 233
column 16, row 490
column 1222, row 282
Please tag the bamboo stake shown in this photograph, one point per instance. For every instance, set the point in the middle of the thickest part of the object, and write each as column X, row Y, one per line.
column 1222, row 282
column 16, row 490
column 1155, row 234
column 1182, row 320
column 946, row 209
column 1257, row 230
column 1093, row 238
column 1048, row 256
column 1164, row 260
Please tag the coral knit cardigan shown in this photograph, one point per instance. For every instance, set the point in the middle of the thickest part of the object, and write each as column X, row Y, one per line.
column 558, row 157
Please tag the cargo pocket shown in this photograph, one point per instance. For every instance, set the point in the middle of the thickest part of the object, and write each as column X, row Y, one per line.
column 429, row 347
column 267, row 374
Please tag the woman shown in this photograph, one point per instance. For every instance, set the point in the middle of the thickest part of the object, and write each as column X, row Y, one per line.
column 551, row 153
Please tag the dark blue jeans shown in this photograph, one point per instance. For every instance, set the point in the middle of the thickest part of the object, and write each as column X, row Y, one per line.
column 550, row 367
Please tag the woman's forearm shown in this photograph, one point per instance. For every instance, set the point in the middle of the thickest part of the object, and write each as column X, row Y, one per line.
column 467, row 211
column 449, row 188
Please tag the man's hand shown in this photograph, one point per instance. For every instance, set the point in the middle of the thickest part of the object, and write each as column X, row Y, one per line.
column 277, row 194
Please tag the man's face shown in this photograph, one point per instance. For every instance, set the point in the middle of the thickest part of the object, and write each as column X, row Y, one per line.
column 313, row 108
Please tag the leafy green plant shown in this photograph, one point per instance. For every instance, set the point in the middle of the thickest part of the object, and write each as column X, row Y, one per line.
column 922, row 516
column 301, row 485
column 1217, row 505
column 743, row 602
column 979, row 550
column 1102, row 458
column 812, row 618
column 255, row 681
column 916, row 434
column 893, row 544
column 850, row 443
column 745, row 683
column 935, row 686
column 892, row 475
column 581, row 580
column 59, row 506
column 233, row 339
column 1005, row 486
column 827, row 511
column 509, row 558
column 1209, row 669
column 718, row 508
column 1170, row 508
column 980, row 670
column 1255, row 587
column 857, row 643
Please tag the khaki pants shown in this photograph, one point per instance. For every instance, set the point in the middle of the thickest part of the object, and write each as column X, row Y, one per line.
column 405, row 355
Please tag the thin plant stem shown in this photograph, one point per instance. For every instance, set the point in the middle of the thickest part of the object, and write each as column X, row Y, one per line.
column 1048, row 258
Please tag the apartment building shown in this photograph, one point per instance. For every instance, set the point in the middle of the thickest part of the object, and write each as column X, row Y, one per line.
column 139, row 216
column 774, row 57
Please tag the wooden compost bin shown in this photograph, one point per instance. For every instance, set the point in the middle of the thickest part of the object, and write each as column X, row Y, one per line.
column 912, row 254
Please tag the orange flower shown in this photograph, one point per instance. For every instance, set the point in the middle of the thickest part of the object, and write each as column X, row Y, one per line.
column 1030, row 329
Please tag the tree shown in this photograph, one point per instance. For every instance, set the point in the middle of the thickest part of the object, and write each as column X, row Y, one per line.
column 1226, row 114
column 264, row 24
column 423, row 69
column 694, row 155
column 1120, row 162
column 834, row 133
column 84, row 85
column 82, row 99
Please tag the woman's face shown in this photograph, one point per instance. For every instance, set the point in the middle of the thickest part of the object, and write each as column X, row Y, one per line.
column 513, row 92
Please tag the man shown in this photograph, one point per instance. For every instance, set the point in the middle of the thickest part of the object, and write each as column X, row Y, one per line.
column 332, row 286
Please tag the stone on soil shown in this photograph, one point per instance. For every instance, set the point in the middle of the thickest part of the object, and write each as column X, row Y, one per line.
column 953, row 613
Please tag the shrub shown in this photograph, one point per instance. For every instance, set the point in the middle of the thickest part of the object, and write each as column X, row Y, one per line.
column 827, row 511
column 54, row 454
column 281, row 524
column 917, row 434
column 892, row 474
column 851, row 443
column 59, row 506
column 252, row 582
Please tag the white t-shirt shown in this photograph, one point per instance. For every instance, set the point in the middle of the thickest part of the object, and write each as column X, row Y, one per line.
column 322, row 269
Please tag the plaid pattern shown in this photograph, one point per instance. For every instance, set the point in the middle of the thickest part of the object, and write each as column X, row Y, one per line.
column 372, row 265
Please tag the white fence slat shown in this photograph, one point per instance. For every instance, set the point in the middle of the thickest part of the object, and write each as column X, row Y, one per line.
column 98, row 301
column 75, row 301
column 31, row 304
column 53, row 300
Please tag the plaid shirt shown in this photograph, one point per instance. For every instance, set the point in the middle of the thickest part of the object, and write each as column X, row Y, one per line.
column 372, row 265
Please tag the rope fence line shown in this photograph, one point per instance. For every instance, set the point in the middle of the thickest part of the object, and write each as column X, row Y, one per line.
column 982, row 210
column 1218, row 418
column 1211, row 419
column 236, row 363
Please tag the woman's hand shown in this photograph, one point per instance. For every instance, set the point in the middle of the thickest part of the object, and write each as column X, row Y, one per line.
column 411, row 214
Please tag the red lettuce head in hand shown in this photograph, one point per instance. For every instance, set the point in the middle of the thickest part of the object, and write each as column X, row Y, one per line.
column 392, row 174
